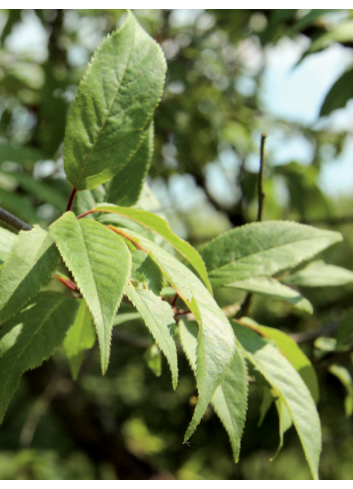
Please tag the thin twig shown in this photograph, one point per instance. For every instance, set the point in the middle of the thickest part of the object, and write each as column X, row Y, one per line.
column 260, row 190
column 13, row 221
column 260, row 196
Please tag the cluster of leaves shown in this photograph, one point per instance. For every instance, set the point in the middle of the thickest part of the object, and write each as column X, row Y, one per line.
column 114, row 250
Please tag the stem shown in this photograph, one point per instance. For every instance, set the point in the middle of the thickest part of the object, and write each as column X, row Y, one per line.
column 85, row 214
column 260, row 190
column 71, row 199
column 13, row 221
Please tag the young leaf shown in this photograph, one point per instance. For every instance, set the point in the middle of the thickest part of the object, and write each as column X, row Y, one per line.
column 31, row 337
column 144, row 269
column 319, row 274
column 263, row 249
column 272, row 288
column 159, row 318
column 113, row 106
column 100, row 263
column 292, row 352
column 216, row 342
column 7, row 239
column 80, row 337
column 230, row 399
column 159, row 225
column 125, row 188
column 28, row 267
column 290, row 388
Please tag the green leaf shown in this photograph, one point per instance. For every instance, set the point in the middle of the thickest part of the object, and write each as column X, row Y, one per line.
column 292, row 352
column 339, row 94
column 263, row 249
column 7, row 239
column 86, row 200
column 345, row 329
column 100, row 262
column 159, row 225
column 345, row 377
column 125, row 188
column 159, row 318
column 81, row 337
column 230, row 399
column 290, row 388
column 145, row 270
column 31, row 337
column 28, row 267
column 272, row 288
column 318, row 274
column 216, row 341
column 114, row 106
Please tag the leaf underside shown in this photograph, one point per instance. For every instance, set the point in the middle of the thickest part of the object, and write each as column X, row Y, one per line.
column 216, row 342
column 230, row 399
column 290, row 387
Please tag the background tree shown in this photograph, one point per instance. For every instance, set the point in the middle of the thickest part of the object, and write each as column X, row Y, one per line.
column 207, row 127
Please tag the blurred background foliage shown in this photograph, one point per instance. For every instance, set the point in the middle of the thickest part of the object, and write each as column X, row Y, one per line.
column 130, row 424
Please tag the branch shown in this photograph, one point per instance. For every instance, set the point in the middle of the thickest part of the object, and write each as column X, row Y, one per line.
column 13, row 221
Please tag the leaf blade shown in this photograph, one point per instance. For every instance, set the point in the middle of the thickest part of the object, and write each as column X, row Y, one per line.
column 290, row 387
column 100, row 271
column 159, row 319
column 113, row 107
column 263, row 249
column 27, row 268
column 24, row 342
column 230, row 398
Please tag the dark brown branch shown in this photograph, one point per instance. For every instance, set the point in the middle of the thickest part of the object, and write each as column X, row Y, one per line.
column 13, row 221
